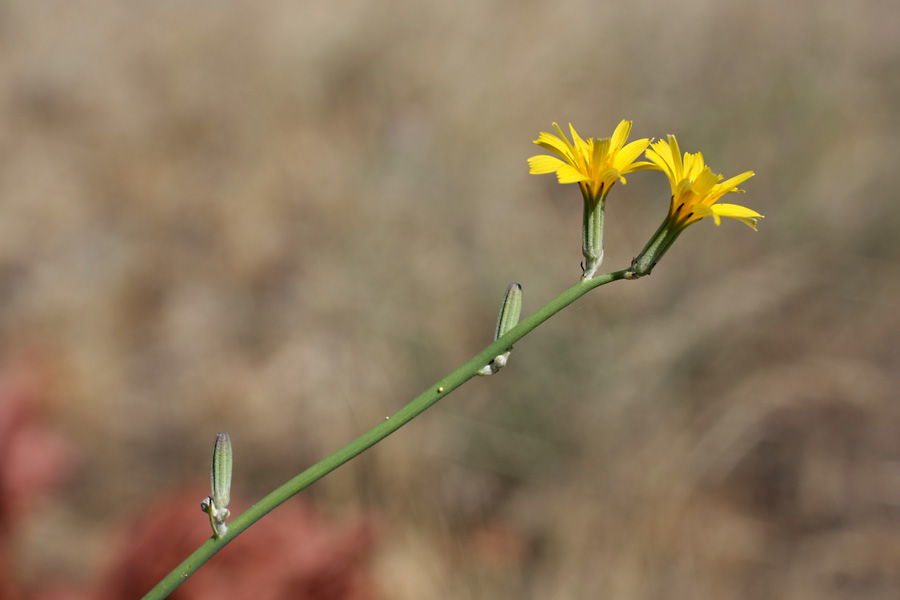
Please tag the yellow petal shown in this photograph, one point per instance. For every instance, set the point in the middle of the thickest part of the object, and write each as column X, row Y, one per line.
column 543, row 164
column 704, row 182
column 694, row 166
column 678, row 166
column 663, row 165
column 745, row 215
column 569, row 174
column 684, row 191
column 550, row 142
column 579, row 143
column 737, row 180
column 608, row 177
column 664, row 159
column 629, row 154
column 562, row 137
column 702, row 211
column 601, row 151
column 643, row 166
column 736, row 211
column 620, row 135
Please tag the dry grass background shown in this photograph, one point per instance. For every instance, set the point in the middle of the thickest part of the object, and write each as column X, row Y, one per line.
column 284, row 220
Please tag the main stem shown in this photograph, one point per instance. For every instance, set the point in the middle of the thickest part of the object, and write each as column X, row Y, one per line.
column 376, row 434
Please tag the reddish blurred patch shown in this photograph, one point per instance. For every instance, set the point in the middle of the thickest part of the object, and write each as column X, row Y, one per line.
column 499, row 546
column 290, row 554
column 33, row 458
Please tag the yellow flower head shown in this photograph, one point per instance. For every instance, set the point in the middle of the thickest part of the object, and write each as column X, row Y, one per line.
column 594, row 165
column 696, row 189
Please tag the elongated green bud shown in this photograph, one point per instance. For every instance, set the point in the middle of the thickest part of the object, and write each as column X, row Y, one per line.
column 221, row 471
column 510, row 310
column 220, row 476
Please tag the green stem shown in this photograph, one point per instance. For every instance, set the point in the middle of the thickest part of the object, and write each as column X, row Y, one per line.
column 376, row 434
column 658, row 245
column 645, row 261
column 592, row 234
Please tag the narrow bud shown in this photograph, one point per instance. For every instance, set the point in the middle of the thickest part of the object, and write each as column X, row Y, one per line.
column 221, row 471
column 510, row 310
column 220, row 476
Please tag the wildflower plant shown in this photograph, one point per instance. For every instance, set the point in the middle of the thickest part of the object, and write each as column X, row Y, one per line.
column 696, row 191
column 595, row 165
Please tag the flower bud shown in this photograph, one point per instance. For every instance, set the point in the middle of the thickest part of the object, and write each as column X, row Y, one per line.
column 510, row 310
column 220, row 477
column 221, row 471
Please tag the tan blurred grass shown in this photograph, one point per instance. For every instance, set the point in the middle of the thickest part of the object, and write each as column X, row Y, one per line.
column 284, row 221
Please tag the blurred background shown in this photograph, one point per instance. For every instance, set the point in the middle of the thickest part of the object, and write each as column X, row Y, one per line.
column 285, row 220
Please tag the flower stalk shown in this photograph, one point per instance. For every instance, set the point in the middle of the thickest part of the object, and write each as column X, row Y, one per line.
column 420, row 404
column 654, row 249
column 595, row 165
column 592, row 235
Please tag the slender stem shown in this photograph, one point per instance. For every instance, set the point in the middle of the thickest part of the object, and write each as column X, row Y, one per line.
column 592, row 234
column 652, row 252
column 376, row 434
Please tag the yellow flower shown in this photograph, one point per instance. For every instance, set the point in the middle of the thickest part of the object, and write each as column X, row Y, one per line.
column 696, row 189
column 594, row 165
